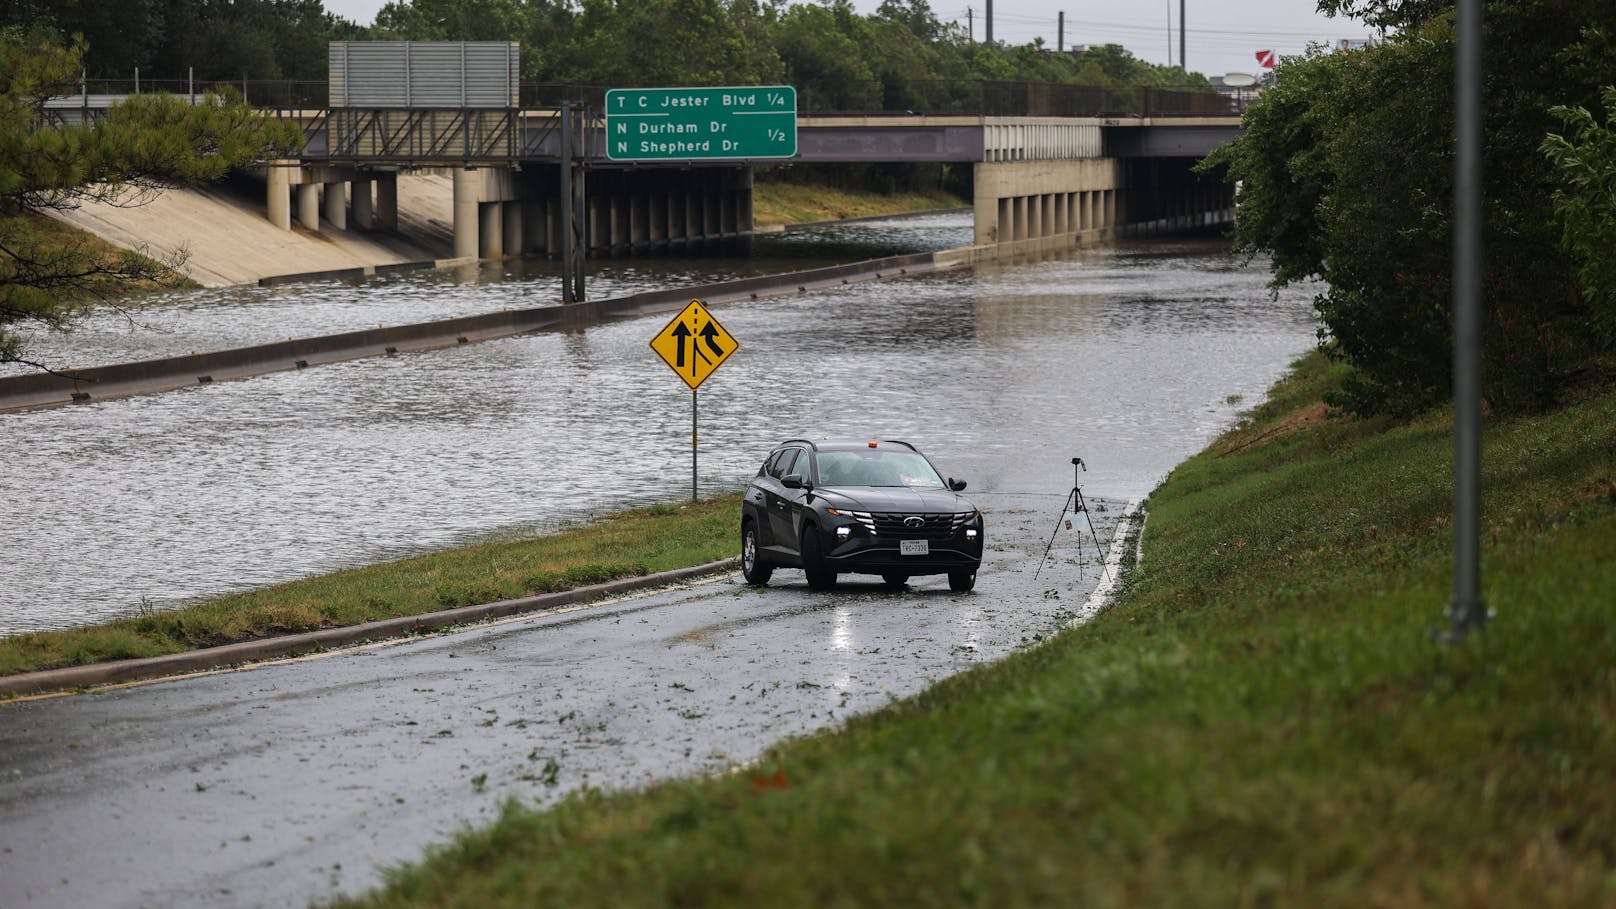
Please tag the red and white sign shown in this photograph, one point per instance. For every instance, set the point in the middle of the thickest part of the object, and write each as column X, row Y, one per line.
column 1265, row 59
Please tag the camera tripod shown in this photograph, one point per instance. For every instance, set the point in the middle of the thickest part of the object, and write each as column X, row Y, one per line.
column 1074, row 503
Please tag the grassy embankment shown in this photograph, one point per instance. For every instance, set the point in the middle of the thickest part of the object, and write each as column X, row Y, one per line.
column 634, row 543
column 795, row 203
column 1263, row 719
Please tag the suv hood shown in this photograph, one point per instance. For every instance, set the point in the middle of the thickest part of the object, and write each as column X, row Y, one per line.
column 884, row 498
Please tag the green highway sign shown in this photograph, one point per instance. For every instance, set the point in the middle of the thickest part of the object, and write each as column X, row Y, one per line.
column 679, row 124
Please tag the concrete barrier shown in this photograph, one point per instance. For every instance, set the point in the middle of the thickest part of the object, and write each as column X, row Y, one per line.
column 42, row 389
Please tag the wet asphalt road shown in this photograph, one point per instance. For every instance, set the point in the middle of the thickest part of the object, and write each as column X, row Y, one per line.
column 292, row 782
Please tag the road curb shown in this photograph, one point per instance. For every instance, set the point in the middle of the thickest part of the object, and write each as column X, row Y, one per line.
column 174, row 664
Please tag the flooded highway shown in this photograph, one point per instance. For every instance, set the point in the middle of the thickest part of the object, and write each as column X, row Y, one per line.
column 1131, row 357
column 300, row 780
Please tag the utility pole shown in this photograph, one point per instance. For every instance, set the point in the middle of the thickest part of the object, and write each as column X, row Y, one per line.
column 1467, row 613
column 990, row 21
column 970, row 24
column 1183, row 61
column 1060, row 32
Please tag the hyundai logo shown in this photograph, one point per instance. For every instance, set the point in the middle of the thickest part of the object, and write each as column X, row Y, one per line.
column 914, row 522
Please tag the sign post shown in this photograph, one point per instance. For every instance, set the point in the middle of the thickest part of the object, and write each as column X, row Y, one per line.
column 682, row 124
column 694, row 345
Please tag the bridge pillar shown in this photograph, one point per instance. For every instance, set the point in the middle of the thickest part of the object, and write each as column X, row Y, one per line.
column 620, row 236
column 467, row 189
column 600, row 223
column 1048, row 200
column 308, row 205
column 639, row 217
column 279, row 195
column 743, row 201
column 364, row 214
column 490, row 230
column 512, row 216
column 657, row 219
column 335, row 201
column 535, row 225
column 387, row 202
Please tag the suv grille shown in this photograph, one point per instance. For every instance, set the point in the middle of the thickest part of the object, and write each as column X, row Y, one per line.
column 932, row 526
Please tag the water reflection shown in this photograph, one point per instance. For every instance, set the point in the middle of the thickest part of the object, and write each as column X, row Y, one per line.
column 1127, row 357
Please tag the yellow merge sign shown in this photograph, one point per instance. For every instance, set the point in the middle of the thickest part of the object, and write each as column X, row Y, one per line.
column 694, row 344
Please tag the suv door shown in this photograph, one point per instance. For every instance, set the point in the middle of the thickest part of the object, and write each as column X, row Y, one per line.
column 782, row 503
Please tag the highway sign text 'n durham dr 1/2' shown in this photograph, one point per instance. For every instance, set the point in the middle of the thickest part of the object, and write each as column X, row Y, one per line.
column 694, row 345
column 677, row 124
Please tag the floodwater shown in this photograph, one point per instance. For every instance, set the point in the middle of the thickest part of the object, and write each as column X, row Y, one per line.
column 184, row 322
column 1131, row 357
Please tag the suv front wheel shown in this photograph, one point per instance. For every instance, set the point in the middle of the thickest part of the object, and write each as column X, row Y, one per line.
column 820, row 577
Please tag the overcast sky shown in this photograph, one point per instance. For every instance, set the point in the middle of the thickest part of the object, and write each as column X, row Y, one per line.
column 1224, row 35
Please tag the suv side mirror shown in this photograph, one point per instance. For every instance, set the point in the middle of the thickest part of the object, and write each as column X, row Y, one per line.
column 956, row 485
column 793, row 481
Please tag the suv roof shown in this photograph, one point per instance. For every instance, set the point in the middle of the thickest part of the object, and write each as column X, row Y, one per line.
column 845, row 444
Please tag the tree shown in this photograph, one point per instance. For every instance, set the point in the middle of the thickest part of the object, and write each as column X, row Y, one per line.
column 1346, row 173
column 140, row 147
column 1585, row 161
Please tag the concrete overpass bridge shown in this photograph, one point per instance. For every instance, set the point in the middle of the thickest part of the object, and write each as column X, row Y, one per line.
column 1038, row 180
column 1054, row 180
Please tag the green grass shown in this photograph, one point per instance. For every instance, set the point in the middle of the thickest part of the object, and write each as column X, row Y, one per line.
column 1262, row 720
column 632, row 543
column 796, row 203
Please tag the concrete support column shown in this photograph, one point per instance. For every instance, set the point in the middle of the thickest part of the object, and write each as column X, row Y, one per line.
column 1048, row 229
column 692, row 207
column 1112, row 210
column 512, row 216
column 468, row 183
column 308, row 205
column 387, row 202
column 280, row 197
column 619, row 222
column 639, row 220
column 600, row 223
column 711, row 223
column 1005, row 224
column 364, row 213
column 1060, row 214
column 336, row 204
column 552, row 226
column 491, row 230
column 657, row 218
column 1018, row 229
column 1035, row 216
column 535, row 230
column 743, row 202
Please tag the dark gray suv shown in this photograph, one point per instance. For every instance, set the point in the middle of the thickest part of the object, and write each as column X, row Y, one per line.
column 854, row 507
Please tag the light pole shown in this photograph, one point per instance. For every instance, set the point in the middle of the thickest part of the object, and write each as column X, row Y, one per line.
column 1467, row 613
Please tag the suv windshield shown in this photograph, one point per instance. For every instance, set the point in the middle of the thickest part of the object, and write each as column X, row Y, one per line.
column 875, row 467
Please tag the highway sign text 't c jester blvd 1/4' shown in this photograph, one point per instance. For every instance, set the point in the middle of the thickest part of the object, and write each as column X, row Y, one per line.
column 694, row 345
column 677, row 124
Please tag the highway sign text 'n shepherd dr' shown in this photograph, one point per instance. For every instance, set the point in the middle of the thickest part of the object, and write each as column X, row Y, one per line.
column 694, row 345
column 677, row 124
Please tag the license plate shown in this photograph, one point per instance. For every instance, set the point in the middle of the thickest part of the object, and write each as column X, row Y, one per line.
column 914, row 547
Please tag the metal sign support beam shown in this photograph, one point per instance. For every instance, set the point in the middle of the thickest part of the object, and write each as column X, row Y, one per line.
column 574, row 211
